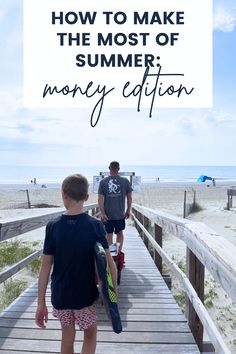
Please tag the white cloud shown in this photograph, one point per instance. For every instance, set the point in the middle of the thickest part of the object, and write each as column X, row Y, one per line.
column 49, row 136
column 224, row 19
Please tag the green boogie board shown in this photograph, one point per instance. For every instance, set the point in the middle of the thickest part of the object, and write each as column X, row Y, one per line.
column 107, row 291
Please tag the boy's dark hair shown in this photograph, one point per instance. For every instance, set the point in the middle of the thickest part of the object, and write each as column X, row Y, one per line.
column 76, row 187
column 114, row 166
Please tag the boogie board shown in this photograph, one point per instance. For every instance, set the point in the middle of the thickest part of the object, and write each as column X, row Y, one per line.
column 107, row 291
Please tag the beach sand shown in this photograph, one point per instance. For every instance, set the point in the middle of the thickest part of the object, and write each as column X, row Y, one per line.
column 168, row 197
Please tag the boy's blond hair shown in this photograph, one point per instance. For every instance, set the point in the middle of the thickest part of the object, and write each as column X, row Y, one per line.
column 76, row 187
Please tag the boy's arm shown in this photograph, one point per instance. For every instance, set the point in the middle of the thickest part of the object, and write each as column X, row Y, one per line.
column 113, row 269
column 41, row 315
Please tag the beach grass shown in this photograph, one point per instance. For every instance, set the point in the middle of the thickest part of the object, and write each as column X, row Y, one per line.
column 10, row 253
column 11, row 290
column 13, row 251
column 196, row 207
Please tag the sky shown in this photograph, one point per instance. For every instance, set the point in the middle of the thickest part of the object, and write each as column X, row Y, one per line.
column 64, row 137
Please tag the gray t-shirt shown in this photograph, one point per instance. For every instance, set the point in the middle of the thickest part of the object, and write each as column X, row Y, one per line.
column 114, row 189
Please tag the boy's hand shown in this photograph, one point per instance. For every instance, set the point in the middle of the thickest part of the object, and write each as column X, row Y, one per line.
column 41, row 316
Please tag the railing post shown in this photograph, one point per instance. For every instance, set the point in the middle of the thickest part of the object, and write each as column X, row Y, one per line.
column 134, row 211
column 194, row 197
column 138, row 216
column 146, row 224
column 184, row 209
column 158, row 239
column 94, row 211
column 195, row 272
column 28, row 198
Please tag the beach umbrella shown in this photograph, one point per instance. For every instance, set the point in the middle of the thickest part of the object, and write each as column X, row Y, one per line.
column 204, row 178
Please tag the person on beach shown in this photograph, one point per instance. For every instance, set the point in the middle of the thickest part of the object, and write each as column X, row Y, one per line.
column 69, row 248
column 112, row 193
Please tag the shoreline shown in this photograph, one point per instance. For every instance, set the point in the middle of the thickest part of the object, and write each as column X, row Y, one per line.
column 151, row 180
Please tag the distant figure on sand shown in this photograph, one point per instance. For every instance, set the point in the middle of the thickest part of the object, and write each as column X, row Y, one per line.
column 213, row 182
column 112, row 194
column 33, row 181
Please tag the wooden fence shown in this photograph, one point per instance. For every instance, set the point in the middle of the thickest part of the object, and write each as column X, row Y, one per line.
column 17, row 227
column 189, row 203
column 230, row 193
column 205, row 248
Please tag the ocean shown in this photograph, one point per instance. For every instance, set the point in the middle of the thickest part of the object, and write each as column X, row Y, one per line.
column 20, row 176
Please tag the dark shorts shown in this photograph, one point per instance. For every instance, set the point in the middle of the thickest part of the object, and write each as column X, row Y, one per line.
column 114, row 226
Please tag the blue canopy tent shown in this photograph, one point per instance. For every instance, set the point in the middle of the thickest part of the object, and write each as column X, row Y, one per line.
column 204, row 178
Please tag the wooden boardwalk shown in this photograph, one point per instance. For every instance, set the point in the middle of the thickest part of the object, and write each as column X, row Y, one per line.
column 152, row 321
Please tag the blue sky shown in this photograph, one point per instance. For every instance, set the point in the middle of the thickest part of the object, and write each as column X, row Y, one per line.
column 64, row 136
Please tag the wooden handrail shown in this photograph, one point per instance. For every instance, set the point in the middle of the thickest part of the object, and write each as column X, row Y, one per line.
column 204, row 316
column 21, row 225
column 215, row 252
column 24, row 224
column 205, row 248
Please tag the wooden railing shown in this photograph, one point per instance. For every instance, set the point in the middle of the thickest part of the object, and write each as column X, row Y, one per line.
column 17, row 227
column 205, row 249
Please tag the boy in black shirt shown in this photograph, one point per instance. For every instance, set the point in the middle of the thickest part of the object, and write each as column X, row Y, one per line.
column 69, row 247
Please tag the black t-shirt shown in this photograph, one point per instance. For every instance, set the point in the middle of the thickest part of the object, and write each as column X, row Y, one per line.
column 70, row 240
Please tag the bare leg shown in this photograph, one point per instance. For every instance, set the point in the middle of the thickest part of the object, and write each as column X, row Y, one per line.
column 120, row 238
column 90, row 336
column 110, row 238
column 68, row 338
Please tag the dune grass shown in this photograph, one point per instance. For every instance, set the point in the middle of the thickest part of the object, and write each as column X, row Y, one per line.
column 12, row 252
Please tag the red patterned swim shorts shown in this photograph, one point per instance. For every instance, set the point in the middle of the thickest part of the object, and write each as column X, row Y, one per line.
column 84, row 318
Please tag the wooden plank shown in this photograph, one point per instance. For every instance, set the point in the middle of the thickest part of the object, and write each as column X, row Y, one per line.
column 123, row 310
column 124, row 337
column 128, row 310
column 123, row 305
column 103, row 317
column 136, row 301
column 124, row 348
column 175, row 327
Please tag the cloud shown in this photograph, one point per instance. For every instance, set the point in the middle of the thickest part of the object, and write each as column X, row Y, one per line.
column 171, row 136
column 224, row 20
